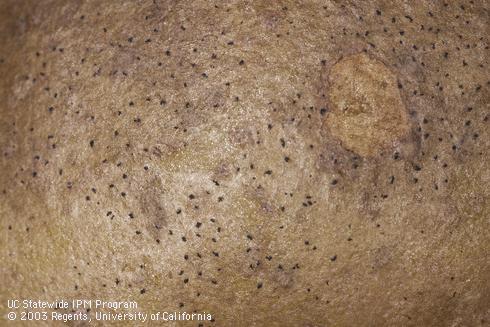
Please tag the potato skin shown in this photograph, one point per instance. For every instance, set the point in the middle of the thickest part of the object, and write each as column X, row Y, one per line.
column 190, row 156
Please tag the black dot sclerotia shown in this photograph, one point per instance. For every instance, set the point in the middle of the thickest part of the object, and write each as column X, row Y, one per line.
column 406, row 42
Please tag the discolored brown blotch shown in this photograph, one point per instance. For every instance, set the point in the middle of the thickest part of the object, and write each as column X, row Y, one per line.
column 367, row 110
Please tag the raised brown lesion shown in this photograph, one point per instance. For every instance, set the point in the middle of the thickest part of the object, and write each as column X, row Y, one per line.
column 366, row 110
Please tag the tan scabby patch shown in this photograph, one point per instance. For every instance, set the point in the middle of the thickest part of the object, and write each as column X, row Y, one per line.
column 367, row 112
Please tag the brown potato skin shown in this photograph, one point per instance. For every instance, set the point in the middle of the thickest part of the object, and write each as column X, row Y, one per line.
column 191, row 156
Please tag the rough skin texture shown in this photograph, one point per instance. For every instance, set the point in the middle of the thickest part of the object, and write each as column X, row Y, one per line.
column 195, row 155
